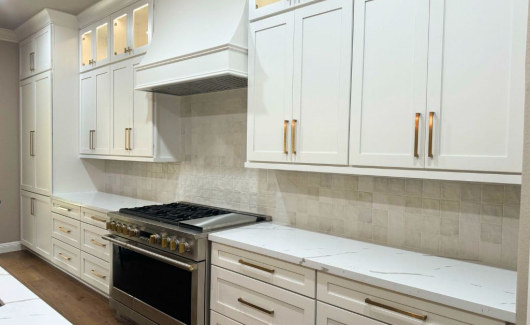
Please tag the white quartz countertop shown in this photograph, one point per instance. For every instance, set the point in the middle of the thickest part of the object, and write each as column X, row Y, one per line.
column 472, row 287
column 24, row 307
column 100, row 201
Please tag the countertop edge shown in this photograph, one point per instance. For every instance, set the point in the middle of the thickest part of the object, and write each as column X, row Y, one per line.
column 427, row 295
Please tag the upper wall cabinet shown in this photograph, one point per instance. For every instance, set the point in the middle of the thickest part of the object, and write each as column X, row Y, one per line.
column 132, row 28
column 35, row 53
column 299, row 85
column 438, row 86
column 94, row 45
column 262, row 8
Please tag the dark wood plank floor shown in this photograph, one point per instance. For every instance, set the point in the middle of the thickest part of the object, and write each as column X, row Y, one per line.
column 77, row 303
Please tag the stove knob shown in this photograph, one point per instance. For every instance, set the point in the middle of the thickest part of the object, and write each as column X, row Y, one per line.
column 124, row 230
column 136, row 232
column 130, row 231
column 108, row 225
column 118, row 227
column 183, row 247
column 154, row 239
column 113, row 226
column 173, row 244
column 164, row 242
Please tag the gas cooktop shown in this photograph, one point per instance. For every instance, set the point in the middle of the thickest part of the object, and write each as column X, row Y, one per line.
column 174, row 213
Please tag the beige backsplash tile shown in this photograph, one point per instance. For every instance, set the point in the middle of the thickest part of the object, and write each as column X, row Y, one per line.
column 472, row 221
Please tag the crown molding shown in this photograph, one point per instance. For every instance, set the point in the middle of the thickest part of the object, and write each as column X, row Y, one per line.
column 43, row 19
column 8, row 35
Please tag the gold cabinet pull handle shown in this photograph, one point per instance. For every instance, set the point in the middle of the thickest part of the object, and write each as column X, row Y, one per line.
column 396, row 310
column 285, row 136
column 32, row 206
column 129, row 143
column 32, row 61
column 293, row 135
column 99, row 275
column 416, row 135
column 64, row 256
column 97, row 219
column 126, row 148
column 95, row 242
column 65, row 230
column 32, row 143
column 63, row 208
column 431, row 122
column 241, row 261
column 270, row 312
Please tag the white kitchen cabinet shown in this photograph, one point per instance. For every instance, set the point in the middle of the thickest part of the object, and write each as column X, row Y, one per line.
column 36, row 223
column 95, row 112
column 476, row 85
column 132, row 28
column 263, row 8
column 36, row 115
column 331, row 315
column 270, row 88
column 35, row 53
column 94, row 45
column 299, row 85
column 386, row 130
column 321, row 86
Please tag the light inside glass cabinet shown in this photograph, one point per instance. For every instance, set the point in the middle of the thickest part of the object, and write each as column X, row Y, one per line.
column 140, row 26
column 264, row 3
column 102, row 36
column 86, row 48
column 120, row 35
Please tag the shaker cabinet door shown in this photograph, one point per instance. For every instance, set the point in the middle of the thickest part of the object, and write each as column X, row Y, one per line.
column 121, row 107
column 476, row 85
column 270, row 89
column 43, row 226
column 27, row 220
column 101, row 136
column 389, row 82
column 27, row 134
column 141, row 128
column 43, row 133
column 87, row 113
column 322, row 78
column 26, row 57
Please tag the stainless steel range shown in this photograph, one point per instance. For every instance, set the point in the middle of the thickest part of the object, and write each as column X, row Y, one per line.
column 161, row 260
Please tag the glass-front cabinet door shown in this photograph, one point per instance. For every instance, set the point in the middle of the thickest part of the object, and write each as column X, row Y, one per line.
column 131, row 30
column 102, row 42
column 86, row 48
column 261, row 8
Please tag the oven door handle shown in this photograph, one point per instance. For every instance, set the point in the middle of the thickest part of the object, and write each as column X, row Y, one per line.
column 162, row 258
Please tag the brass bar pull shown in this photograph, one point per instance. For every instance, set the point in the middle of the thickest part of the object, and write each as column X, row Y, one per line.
column 64, row 256
column 270, row 312
column 129, row 143
column 98, row 219
column 99, row 275
column 293, row 135
column 63, row 208
column 396, row 310
column 256, row 266
column 32, row 206
column 416, row 135
column 126, row 148
column 32, row 143
column 285, row 136
column 32, row 61
column 64, row 230
column 95, row 242
column 431, row 122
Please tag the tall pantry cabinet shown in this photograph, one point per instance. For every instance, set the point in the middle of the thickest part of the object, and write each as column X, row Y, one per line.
column 48, row 91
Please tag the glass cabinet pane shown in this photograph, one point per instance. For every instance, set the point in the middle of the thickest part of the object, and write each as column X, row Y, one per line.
column 120, row 35
column 102, row 36
column 264, row 3
column 140, row 26
column 86, row 48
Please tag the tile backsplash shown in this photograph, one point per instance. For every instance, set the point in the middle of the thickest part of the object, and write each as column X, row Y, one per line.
column 472, row 221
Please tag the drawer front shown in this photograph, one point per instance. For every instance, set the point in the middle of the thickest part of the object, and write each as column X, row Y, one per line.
column 352, row 296
column 218, row 319
column 66, row 257
column 95, row 218
column 66, row 209
column 93, row 243
column 66, row 229
column 331, row 315
column 95, row 272
column 252, row 302
column 282, row 274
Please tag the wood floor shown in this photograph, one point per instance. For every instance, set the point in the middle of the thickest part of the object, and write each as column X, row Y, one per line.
column 76, row 302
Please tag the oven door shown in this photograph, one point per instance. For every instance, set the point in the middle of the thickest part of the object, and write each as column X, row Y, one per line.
column 163, row 287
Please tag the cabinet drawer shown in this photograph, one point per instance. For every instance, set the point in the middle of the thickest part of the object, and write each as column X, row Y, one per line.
column 66, row 257
column 282, row 274
column 252, row 302
column 352, row 296
column 218, row 319
column 95, row 272
column 66, row 229
column 93, row 243
column 66, row 209
column 331, row 315
column 95, row 218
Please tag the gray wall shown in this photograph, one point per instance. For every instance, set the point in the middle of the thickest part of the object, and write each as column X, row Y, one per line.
column 524, row 227
column 9, row 144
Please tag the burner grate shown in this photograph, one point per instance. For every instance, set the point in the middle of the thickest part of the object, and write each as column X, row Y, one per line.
column 173, row 213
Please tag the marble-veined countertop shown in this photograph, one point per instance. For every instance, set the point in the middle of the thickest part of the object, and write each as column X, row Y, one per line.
column 468, row 286
column 101, row 201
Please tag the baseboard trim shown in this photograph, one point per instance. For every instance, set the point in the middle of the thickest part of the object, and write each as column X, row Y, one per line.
column 10, row 247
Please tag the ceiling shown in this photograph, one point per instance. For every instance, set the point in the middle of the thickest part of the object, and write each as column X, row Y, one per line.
column 15, row 12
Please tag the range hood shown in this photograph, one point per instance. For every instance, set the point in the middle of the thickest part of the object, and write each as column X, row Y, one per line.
column 198, row 46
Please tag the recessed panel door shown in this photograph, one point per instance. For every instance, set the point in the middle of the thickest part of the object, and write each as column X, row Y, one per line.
column 87, row 113
column 27, row 220
column 43, row 133
column 121, row 107
column 43, row 226
column 102, row 89
column 27, row 134
column 141, row 130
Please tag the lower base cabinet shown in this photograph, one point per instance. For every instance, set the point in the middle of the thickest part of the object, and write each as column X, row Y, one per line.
column 95, row 272
column 330, row 315
column 66, row 257
column 218, row 319
column 36, row 223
